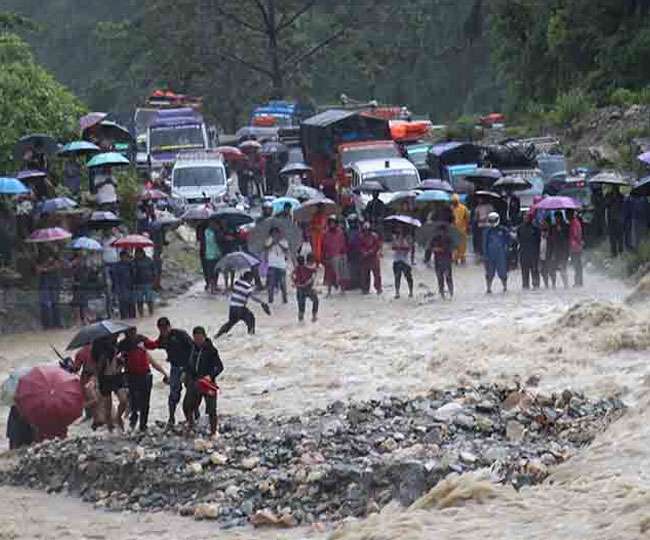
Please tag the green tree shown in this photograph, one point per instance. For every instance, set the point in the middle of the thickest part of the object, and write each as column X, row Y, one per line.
column 31, row 100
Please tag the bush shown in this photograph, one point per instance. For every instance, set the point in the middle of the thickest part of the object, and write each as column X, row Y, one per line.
column 636, row 261
column 128, row 190
column 622, row 97
column 571, row 106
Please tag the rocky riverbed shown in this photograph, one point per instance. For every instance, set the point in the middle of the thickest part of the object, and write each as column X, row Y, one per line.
column 349, row 459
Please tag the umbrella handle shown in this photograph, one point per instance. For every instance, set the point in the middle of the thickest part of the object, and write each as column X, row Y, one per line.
column 56, row 352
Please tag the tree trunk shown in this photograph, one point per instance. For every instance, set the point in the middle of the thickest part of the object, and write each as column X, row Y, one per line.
column 277, row 78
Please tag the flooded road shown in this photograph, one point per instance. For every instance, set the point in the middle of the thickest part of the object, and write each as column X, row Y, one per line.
column 371, row 346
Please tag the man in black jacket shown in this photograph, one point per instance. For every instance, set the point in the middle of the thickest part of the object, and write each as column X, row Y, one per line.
column 178, row 345
column 529, row 238
column 204, row 363
column 144, row 277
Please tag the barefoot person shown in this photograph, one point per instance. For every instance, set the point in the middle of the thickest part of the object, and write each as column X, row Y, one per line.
column 110, row 379
column 204, row 363
column 402, row 246
column 242, row 291
column 496, row 240
column 304, row 277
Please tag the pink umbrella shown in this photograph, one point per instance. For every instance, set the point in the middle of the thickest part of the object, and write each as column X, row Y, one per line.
column 133, row 241
column 53, row 234
column 558, row 203
column 152, row 195
column 644, row 158
column 91, row 119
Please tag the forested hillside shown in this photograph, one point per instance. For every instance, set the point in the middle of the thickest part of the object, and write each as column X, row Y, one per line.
column 443, row 58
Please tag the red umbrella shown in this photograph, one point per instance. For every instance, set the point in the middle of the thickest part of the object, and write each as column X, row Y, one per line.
column 50, row 399
column 231, row 153
column 250, row 147
column 133, row 241
column 53, row 234
column 152, row 195
column 558, row 203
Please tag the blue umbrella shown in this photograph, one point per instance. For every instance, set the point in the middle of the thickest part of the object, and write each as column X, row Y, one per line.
column 433, row 195
column 56, row 205
column 278, row 204
column 12, row 186
column 78, row 147
column 83, row 242
column 108, row 159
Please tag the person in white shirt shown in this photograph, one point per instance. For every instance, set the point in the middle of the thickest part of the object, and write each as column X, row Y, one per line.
column 106, row 197
column 277, row 251
column 110, row 257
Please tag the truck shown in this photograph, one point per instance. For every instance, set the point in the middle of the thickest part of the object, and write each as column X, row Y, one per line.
column 280, row 114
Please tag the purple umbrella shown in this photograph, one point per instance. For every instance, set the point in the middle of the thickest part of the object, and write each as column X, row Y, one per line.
column 407, row 220
column 26, row 176
column 644, row 158
column 558, row 203
column 91, row 119
column 53, row 234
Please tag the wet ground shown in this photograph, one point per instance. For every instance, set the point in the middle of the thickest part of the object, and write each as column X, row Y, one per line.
column 372, row 346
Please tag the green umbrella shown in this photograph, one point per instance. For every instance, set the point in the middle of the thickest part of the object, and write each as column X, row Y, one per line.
column 108, row 159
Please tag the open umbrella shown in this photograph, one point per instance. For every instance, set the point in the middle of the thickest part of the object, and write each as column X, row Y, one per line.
column 79, row 148
column 406, row 220
column 231, row 153
column 108, row 159
column 296, row 168
column 166, row 220
column 558, row 203
column 103, row 220
column 512, row 183
column 85, row 243
column 91, row 119
column 12, row 186
column 401, row 197
column 198, row 213
column 152, row 195
column 280, row 202
column 10, row 385
column 433, row 195
column 425, row 234
column 58, row 204
column 642, row 187
column 26, row 176
column 437, row 184
column 132, row 241
column 250, row 146
column 613, row 178
column 98, row 330
column 261, row 231
column 232, row 217
column 237, row 261
column 483, row 174
column 304, row 193
column 38, row 143
column 644, row 158
column 488, row 194
column 49, row 398
column 109, row 130
column 371, row 186
column 53, row 234
column 276, row 148
column 306, row 210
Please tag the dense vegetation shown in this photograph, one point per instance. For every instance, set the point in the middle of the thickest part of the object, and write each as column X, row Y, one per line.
column 443, row 58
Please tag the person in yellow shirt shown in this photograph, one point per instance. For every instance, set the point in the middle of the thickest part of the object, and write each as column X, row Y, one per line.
column 462, row 223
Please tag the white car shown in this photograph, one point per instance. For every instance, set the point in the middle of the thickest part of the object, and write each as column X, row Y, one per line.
column 199, row 178
column 394, row 174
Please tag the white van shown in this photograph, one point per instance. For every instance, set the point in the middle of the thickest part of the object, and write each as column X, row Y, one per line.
column 395, row 174
column 199, row 177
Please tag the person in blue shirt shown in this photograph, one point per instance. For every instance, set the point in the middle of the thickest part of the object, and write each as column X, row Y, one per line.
column 496, row 240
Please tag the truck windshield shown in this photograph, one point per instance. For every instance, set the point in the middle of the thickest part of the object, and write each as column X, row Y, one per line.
column 398, row 181
column 352, row 155
column 176, row 138
column 198, row 177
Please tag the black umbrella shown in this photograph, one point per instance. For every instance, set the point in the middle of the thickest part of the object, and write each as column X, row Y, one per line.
column 371, row 186
column 38, row 143
column 425, row 234
column 512, row 183
column 612, row 178
column 111, row 131
column 642, row 187
column 237, row 261
column 232, row 217
column 275, row 148
column 103, row 220
column 483, row 178
column 262, row 230
column 90, row 333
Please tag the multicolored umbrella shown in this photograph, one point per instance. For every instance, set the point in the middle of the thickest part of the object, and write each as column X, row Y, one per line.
column 49, row 398
column 99, row 330
column 237, row 261
column 108, row 159
column 279, row 204
column 558, row 203
column 26, row 176
column 91, row 119
column 406, row 220
column 306, row 210
column 132, row 241
column 12, row 186
column 437, row 184
column 58, row 204
column 433, row 195
column 52, row 234
column 79, row 148
column 85, row 243
column 152, row 195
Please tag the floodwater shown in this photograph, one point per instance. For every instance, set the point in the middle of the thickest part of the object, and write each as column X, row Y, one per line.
column 372, row 346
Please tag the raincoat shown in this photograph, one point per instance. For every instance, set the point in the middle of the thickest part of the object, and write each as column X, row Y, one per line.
column 317, row 227
column 496, row 241
column 462, row 224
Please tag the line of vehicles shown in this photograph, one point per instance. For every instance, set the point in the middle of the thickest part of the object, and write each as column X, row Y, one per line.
column 343, row 147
